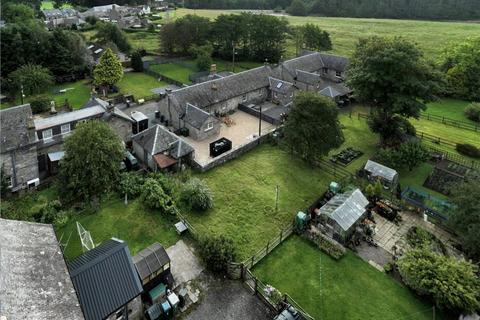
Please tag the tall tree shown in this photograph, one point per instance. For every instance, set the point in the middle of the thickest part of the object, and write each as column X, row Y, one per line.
column 315, row 38
column 33, row 78
column 90, row 167
column 67, row 52
column 391, row 75
column 312, row 128
column 137, row 63
column 108, row 71
column 297, row 8
column 17, row 13
column 461, row 64
column 465, row 217
column 452, row 283
column 109, row 32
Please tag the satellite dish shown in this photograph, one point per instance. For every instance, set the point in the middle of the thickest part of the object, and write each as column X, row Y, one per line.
column 85, row 238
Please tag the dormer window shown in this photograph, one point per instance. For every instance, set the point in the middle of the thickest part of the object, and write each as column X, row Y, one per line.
column 65, row 128
column 47, row 134
column 209, row 126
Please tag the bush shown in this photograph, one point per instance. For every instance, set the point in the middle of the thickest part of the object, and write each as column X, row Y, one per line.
column 197, row 195
column 327, row 245
column 40, row 104
column 217, row 252
column 137, row 63
column 155, row 197
column 468, row 150
column 388, row 267
column 472, row 111
column 131, row 184
column 49, row 212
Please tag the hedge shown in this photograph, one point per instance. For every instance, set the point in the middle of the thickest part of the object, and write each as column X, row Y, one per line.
column 327, row 244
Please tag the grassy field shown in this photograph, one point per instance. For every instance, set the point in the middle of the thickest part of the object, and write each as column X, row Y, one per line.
column 139, row 84
column 431, row 36
column 180, row 71
column 147, row 40
column 47, row 5
column 449, row 108
column 244, row 191
column 135, row 224
column 345, row 289
column 77, row 94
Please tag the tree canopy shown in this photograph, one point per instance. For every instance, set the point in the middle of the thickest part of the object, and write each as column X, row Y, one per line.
column 17, row 13
column 312, row 128
column 34, row 79
column 452, row 283
column 110, row 32
column 109, row 70
column 461, row 64
column 91, row 165
column 465, row 217
column 315, row 38
column 297, row 8
column 391, row 75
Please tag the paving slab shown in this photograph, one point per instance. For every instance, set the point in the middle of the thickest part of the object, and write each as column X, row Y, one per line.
column 185, row 266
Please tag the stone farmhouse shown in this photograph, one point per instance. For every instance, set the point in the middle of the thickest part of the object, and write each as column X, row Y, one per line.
column 66, row 17
column 31, row 148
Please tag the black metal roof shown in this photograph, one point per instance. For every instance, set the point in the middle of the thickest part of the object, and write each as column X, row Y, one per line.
column 150, row 260
column 105, row 279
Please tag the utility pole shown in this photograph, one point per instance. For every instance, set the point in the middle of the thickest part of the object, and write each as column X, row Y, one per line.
column 233, row 56
column 21, row 89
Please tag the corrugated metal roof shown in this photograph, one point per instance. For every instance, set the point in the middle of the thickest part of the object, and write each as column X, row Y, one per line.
column 105, row 279
column 346, row 208
column 379, row 170
column 150, row 260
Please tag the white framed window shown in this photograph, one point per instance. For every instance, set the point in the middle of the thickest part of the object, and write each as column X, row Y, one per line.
column 209, row 126
column 47, row 134
column 65, row 128
column 244, row 98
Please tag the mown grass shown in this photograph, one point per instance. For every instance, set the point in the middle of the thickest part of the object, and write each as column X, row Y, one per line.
column 139, row 84
column 244, row 191
column 346, row 289
column 77, row 94
column 47, row 5
column 137, row 225
column 431, row 36
column 450, row 108
column 173, row 71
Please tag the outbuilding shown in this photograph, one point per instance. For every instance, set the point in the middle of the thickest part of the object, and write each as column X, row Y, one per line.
column 376, row 171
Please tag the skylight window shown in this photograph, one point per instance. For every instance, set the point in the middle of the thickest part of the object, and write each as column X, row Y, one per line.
column 279, row 85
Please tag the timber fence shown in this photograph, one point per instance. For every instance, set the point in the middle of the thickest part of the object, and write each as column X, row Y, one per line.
column 451, row 122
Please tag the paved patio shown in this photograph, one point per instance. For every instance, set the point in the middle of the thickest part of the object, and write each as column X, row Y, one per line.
column 185, row 266
column 244, row 129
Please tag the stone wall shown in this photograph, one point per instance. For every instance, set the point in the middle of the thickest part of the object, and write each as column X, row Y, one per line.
column 21, row 165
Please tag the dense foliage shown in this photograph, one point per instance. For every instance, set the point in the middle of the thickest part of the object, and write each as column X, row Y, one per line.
column 32, row 78
column 4, row 182
column 62, row 51
column 391, row 75
column 131, row 184
column 13, row 13
column 397, row 9
column 197, row 195
column 155, row 197
column 136, row 61
column 461, row 64
column 472, row 111
column 111, row 33
column 90, row 167
column 312, row 128
column 255, row 36
column 468, row 150
column 407, row 155
column 452, row 283
column 217, row 252
column 465, row 218
column 40, row 104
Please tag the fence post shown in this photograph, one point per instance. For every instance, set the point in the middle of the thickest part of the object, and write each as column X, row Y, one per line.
column 253, row 259
column 242, row 272
column 281, row 234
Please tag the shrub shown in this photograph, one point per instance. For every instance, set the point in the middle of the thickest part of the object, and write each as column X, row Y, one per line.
column 327, row 245
column 168, row 184
column 217, row 252
column 131, row 184
column 155, row 197
column 40, row 104
column 412, row 153
column 49, row 212
column 137, row 63
column 468, row 150
column 472, row 111
column 197, row 195
column 388, row 267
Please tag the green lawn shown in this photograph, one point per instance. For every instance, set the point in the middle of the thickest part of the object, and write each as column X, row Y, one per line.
column 147, row 40
column 134, row 223
column 174, row 71
column 431, row 36
column 244, row 191
column 417, row 177
column 346, row 289
column 77, row 94
column 449, row 108
column 46, row 5
column 139, row 84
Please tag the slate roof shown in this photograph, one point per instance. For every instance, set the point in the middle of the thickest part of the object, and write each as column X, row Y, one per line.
column 59, row 13
column 105, row 279
column 150, row 260
column 158, row 139
column 14, row 123
column 307, row 77
column 196, row 117
column 280, row 86
column 379, row 170
column 346, row 208
column 34, row 279
column 314, row 61
column 68, row 117
column 337, row 63
column 333, row 89
column 207, row 93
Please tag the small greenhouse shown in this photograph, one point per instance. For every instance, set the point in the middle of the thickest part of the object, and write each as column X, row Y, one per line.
column 375, row 170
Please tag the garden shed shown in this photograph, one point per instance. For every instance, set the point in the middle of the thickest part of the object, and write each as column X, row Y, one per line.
column 341, row 214
column 153, row 266
column 375, row 170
